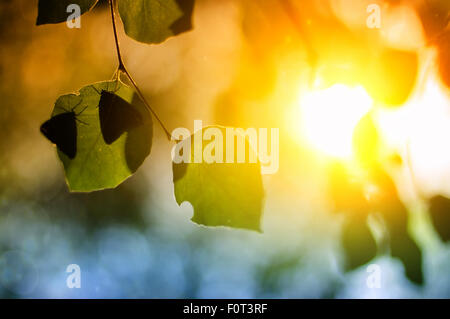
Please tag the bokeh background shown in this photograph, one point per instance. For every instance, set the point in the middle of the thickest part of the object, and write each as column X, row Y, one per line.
column 244, row 64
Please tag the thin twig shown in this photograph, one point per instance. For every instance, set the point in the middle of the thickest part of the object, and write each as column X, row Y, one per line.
column 123, row 69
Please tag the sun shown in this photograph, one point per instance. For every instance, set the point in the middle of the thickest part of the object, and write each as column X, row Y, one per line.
column 329, row 116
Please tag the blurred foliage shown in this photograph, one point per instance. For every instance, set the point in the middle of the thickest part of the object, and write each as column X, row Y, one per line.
column 124, row 205
column 395, row 216
column 367, row 141
column 371, row 192
column 391, row 76
column 357, row 240
column 343, row 56
column 435, row 16
column 440, row 215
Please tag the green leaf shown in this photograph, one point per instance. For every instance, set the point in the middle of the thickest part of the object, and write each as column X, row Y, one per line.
column 222, row 194
column 440, row 216
column 404, row 248
column 153, row 21
column 395, row 216
column 98, row 165
column 358, row 243
column 55, row 11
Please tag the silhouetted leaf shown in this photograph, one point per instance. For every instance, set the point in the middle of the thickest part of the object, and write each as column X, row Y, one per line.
column 222, row 194
column 55, row 11
column 395, row 216
column 405, row 249
column 391, row 77
column 440, row 216
column 366, row 141
column 357, row 240
column 270, row 274
column 153, row 21
column 96, row 164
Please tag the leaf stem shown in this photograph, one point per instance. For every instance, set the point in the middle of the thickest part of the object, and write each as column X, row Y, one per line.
column 123, row 69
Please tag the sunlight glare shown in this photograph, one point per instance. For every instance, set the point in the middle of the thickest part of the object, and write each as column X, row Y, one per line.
column 329, row 116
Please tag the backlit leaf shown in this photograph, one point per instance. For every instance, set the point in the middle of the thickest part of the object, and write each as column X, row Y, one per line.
column 222, row 194
column 395, row 216
column 153, row 21
column 98, row 165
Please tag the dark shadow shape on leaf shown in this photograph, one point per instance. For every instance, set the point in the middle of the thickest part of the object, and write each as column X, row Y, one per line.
column 61, row 130
column 117, row 116
column 139, row 139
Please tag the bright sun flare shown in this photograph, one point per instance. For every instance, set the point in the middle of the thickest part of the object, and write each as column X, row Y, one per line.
column 329, row 116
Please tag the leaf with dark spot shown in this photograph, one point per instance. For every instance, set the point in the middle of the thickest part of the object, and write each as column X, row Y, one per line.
column 98, row 165
column 61, row 130
column 117, row 116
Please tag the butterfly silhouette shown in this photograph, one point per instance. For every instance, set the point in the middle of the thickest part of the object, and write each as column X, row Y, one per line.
column 61, row 130
column 117, row 116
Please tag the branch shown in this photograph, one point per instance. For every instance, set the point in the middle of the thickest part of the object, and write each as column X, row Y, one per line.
column 123, row 69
